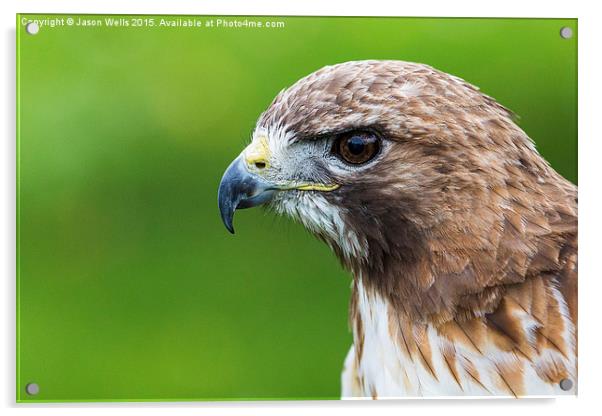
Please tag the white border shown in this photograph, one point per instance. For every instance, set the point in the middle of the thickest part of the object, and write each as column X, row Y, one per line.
column 590, row 137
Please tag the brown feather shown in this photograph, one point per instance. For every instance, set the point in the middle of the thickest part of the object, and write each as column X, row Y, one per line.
column 466, row 227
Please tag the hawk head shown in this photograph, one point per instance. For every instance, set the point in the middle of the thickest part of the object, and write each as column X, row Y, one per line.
column 411, row 175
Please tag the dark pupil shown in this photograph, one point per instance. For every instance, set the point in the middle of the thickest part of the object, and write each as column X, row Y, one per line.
column 356, row 145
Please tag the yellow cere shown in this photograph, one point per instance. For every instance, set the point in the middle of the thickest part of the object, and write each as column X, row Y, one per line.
column 258, row 152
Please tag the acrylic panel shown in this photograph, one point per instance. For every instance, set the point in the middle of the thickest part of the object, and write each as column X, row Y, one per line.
column 435, row 160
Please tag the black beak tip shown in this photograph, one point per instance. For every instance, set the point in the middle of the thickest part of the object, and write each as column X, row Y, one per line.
column 227, row 212
column 237, row 190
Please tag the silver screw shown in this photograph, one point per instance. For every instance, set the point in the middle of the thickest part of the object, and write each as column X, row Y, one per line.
column 32, row 389
column 566, row 384
column 566, row 32
column 32, row 28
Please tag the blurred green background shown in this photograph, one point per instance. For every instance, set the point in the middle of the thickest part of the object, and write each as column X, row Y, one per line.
column 129, row 286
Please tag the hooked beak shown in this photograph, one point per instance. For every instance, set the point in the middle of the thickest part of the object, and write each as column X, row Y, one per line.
column 241, row 189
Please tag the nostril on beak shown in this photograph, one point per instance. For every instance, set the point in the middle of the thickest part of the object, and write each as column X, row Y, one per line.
column 257, row 154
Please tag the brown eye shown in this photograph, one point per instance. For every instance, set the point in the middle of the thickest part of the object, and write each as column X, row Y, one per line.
column 357, row 147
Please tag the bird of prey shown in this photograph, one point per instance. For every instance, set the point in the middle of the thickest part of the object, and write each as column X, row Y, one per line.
column 461, row 238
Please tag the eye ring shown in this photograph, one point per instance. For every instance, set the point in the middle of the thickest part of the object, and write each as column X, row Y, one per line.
column 356, row 147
